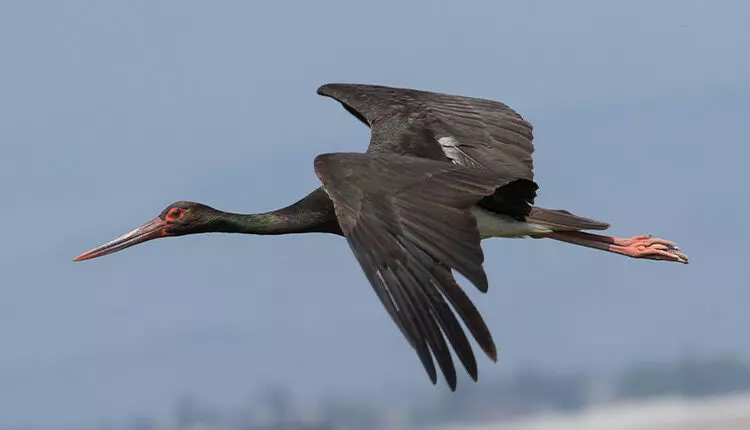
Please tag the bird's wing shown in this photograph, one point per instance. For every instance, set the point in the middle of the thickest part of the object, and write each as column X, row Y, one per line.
column 467, row 131
column 408, row 222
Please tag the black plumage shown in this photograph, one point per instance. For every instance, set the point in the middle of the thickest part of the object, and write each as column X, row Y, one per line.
column 440, row 173
column 404, row 206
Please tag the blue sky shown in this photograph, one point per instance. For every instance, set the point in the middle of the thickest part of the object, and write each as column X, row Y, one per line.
column 109, row 111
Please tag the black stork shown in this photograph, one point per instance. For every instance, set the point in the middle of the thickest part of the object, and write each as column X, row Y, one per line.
column 441, row 173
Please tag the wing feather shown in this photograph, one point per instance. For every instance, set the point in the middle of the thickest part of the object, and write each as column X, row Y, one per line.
column 478, row 132
column 408, row 223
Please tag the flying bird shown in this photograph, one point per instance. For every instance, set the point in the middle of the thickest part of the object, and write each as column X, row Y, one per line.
column 441, row 173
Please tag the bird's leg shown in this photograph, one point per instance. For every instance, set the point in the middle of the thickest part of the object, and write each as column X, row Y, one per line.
column 637, row 246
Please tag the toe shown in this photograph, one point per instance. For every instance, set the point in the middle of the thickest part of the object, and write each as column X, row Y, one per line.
column 656, row 240
column 662, row 254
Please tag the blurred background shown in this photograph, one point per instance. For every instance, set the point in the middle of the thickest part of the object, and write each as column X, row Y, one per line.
column 110, row 110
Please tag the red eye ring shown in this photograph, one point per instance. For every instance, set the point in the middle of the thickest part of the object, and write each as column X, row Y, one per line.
column 175, row 213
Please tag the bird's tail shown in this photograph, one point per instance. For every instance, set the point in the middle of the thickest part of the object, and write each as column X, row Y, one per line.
column 562, row 220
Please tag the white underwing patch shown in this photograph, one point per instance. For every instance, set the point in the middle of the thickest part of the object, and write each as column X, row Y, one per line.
column 449, row 146
column 452, row 149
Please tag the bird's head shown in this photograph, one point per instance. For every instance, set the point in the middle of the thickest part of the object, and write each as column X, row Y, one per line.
column 177, row 219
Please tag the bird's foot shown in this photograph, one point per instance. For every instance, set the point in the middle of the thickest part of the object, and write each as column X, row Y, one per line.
column 648, row 247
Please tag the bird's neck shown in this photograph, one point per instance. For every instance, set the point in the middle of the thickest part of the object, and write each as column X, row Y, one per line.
column 312, row 214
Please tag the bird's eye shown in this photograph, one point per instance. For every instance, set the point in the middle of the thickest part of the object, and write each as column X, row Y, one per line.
column 175, row 213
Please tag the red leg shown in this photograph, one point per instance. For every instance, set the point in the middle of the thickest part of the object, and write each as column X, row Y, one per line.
column 636, row 247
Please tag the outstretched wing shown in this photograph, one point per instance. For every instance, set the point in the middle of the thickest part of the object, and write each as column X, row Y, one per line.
column 468, row 131
column 408, row 222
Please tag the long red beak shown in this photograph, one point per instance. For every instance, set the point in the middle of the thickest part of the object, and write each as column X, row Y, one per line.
column 151, row 230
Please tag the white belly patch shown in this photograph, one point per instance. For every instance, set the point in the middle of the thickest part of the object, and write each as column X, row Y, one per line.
column 495, row 225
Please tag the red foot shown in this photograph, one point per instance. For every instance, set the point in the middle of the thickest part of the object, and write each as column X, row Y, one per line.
column 648, row 247
column 637, row 246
